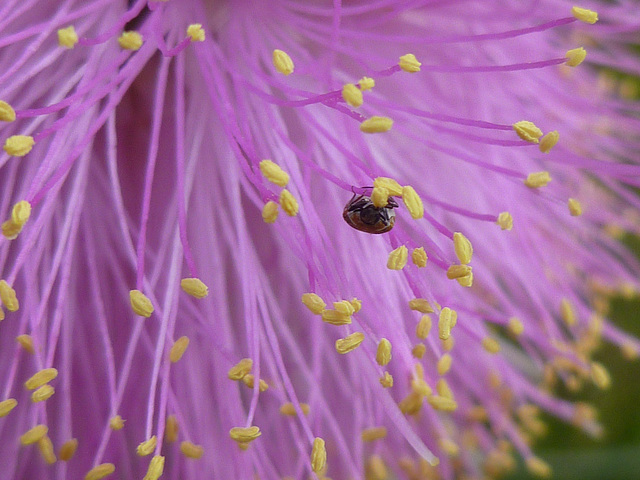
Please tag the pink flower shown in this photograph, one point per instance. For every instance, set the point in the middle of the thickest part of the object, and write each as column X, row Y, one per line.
column 143, row 223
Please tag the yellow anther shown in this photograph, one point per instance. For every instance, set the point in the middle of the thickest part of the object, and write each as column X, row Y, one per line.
column 130, row 40
column 380, row 197
column 171, row 429
column 366, row 83
column 383, row 354
column 21, row 212
column 100, row 471
column 40, row 378
column 505, row 220
column 289, row 410
column 116, row 423
column 549, row 141
column 274, row 173
column 8, row 296
column 386, row 380
column 397, row 258
column 376, row 124
column 467, row 280
column 288, row 203
column 585, row 15
column 68, row 449
column 46, row 450
column 11, row 230
column 249, row 379
column 43, row 393
column 537, row 179
column 26, row 342
column 195, row 32
column 527, row 131
column 244, row 435
column 344, row 307
column 146, row 448
column 424, row 327
column 376, row 469
column 191, row 450
column 7, row 405
column 282, row 61
column 318, row 455
column 449, row 447
column 394, row 188
column 374, row 433
column 178, row 349
column 409, row 63
column 447, row 344
column 458, row 271
column 156, row 468
column 313, row 302
column 442, row 404
column 18, row 145
column 67, row 37
column 240, row 369
column 446, row 321
column 32, row 436
column 491, row 345
column 477, row 413
column 538, row 467
column 515, row 326
column 567, row 313
column 419, row 257
column 194, row 287
column 463, row 248
column 7, row 113
column 349, row 343
column 140, row 304
column 575, row 207
column 412, row 403
column 600, row 376
column 444, row 364
column 352, row 95
column 575, row 56
column 270, row 212
column 420, row 305
column 419, row 350
column 413, row 202
column 335, row 318
column 443, row 389
column 356, row 304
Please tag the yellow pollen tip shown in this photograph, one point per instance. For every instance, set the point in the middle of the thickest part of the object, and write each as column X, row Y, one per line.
column 45, row 445
column 195, row 32
column 274, row 173
column 334, row 317
column 8, row 296
column 600, row 376
column 463, row 248
column 10, row 230
column 424, row 327
column 352, row 95
column 491, row 345
column 244, row 435
column 270, row 212
column 397, row 258
column 171, row 429
column 6, row 406
column 116, row 423
column 380, row 197
column 372, row 434
column 458, row 271
column 409, row 63
column 567, row 313
column 349, row 343
column 442, row 404
column 449, row 447
column 444, row 364
column 18, row 145
column 537, row 179
column 585, row 15
column 383, row 353
column 549, row 141
column 26, row 342
column 32, row 436
column 386, row 380
column 67, row 37
column 282, row 61
column 505, row 221
column 446, row 321
column 420, row 305
column 575, row 56
column 376, row 124
column 41, row 378
column 7, row 113
column 130, row 40
column 419, row 350
column 394, row 188
column 43, row 393
column 419, row 257
column 100, row 471
column 140, row 304
column 156, row 468
column 249, row 380
column 240, row 369
column 447, row 344
column 313, row 302
column 318, row 455
column 527, row 131
column 575, row 207
column 68, row 450
column 194, row 287
column 413, row 202
column 356, row 304
column 289, row 410
column 191, row 450
column 344, row 307
column 178, row 349
column 515, row 326
column 538, row 467
column 288, row 203
column 366, row 83
column 21, row 212
column 376, row 469
column 146, row 448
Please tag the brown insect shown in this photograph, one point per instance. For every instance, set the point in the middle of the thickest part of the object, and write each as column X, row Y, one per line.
column 361, row 214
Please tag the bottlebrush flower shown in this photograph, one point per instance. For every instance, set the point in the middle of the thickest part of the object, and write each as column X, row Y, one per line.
column 182, row 294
